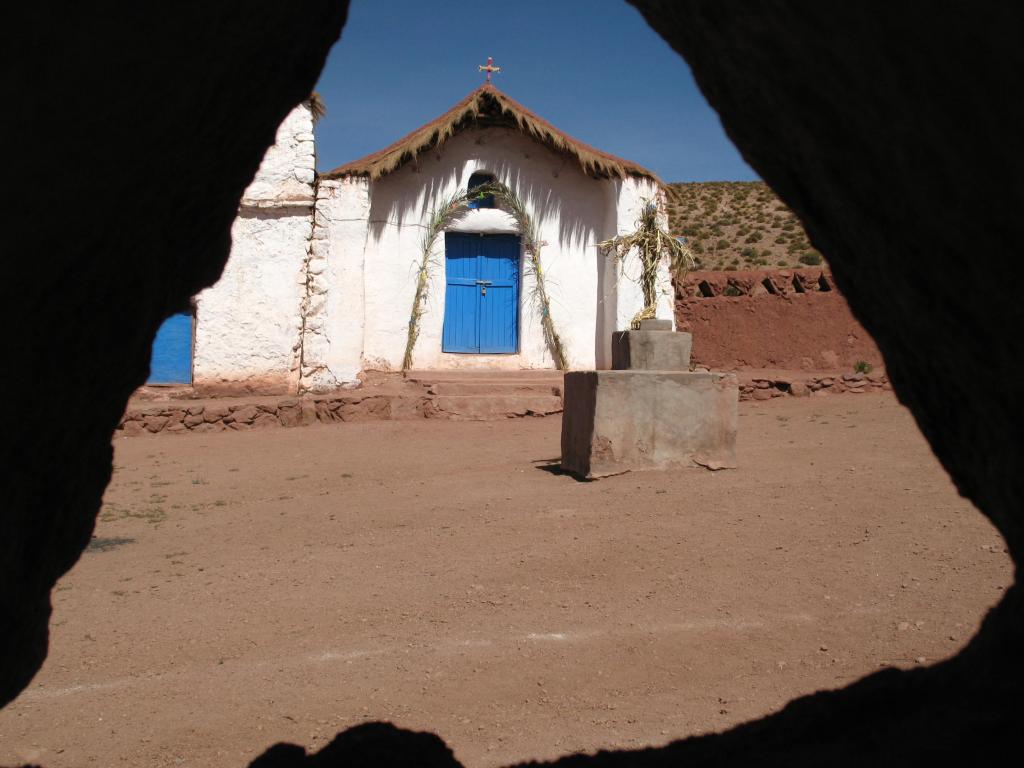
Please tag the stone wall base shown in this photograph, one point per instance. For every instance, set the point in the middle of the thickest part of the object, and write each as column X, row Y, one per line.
column 765, row 385
column 179, row 411
column 387, row 398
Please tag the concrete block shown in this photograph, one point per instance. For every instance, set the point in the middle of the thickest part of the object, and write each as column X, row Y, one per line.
column 655, row 324
column 651, row 351
column 617, row 421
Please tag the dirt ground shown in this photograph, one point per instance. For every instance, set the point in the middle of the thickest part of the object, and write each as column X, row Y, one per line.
column 249, row 588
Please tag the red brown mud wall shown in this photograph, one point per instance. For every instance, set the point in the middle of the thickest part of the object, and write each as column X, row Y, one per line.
column 789, row 319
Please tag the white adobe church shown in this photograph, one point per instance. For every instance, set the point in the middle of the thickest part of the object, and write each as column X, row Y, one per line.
column 321, row 280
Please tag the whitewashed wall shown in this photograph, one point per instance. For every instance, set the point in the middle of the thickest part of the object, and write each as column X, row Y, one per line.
column 248, row 324
column 574, row 212
column 288, row 169
column 332, row 353
column 624, row 298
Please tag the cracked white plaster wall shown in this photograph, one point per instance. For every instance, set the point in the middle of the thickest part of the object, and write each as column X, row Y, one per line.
column 334, row 313
column 248, row 324
column 288, row 169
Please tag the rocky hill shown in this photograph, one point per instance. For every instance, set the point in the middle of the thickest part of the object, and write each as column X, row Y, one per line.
column 738, row 225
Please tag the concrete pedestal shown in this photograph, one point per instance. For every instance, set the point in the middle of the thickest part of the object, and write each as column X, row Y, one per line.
column 616, row 421
column 651, row 350
column 654, row 324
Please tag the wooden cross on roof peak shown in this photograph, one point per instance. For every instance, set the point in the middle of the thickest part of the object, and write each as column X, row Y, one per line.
column 488, row 68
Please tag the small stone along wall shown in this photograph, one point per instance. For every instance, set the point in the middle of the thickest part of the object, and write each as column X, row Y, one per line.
column 801, row 386
column 789, row 319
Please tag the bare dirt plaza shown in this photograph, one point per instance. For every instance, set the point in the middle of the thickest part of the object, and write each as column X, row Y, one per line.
column 250, row 588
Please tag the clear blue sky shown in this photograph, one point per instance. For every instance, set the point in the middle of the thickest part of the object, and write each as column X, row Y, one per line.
column 592, row 67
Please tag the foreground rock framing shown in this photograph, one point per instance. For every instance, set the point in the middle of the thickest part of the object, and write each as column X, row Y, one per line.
column 816, row 98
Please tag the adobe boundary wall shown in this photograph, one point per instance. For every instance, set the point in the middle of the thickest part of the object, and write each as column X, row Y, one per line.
column 787, row 319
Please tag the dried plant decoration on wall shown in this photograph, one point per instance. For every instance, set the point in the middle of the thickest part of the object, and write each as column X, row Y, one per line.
column 441, row 217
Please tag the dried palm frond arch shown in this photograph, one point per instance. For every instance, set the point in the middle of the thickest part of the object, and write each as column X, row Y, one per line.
column 441, row 217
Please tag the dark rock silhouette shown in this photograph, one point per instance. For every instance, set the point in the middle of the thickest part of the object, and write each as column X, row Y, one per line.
column 131, row 133
column 890, row 128
column 368, row 745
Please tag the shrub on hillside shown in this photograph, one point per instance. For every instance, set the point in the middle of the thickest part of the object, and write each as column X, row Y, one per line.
column 728, row 217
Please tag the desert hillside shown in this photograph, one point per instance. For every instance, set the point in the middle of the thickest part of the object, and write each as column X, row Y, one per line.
column 738, row 225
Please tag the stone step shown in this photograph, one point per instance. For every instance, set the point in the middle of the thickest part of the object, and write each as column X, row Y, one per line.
column 429, row 377
column 485, row 407
column 496, row 388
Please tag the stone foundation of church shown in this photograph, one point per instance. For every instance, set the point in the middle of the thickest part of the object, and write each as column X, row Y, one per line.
column 182, row 410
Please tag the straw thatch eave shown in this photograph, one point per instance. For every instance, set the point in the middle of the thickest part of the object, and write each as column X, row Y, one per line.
column 487, row 107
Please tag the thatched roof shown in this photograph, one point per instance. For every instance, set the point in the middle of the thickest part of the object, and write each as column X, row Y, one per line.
column 487, row 107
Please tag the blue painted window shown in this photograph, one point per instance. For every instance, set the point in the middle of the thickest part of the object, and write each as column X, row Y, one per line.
column 478, row 180
column 481, row 309
column 171, row 358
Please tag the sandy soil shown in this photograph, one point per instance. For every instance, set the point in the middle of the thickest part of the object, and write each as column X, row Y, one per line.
column 248, row 588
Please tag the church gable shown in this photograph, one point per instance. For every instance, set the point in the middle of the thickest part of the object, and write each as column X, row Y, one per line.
column 488, row 107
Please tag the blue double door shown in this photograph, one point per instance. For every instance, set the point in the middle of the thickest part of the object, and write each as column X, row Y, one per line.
column 481, row 301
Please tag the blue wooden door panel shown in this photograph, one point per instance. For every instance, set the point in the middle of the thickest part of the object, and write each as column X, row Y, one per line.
column 481, row 293
column 499, row 306
column 500, row 258
column 461, row 307
column 498, row 311
column 461, row 300
column 460, row 256
column 171, row 358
